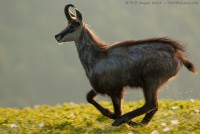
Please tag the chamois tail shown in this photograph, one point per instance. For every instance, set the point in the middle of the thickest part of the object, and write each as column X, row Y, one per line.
column 179, row 50
column 188, row 64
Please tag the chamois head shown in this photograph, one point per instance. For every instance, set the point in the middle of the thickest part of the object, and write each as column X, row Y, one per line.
column 73, row 31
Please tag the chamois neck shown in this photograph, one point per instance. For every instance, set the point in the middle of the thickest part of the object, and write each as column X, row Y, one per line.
column 90, row 49
column 88, row 38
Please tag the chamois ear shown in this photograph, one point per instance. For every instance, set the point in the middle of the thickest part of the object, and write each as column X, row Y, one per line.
column 71, row 14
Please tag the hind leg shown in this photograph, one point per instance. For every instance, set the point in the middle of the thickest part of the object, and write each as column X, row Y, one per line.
column 149, row 116
column 149, row 106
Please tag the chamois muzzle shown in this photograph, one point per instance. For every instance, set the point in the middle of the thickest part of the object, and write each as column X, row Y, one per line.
column 58, row 37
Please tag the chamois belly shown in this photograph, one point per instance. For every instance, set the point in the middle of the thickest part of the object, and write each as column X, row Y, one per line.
column 106, row 83
column 111, row 80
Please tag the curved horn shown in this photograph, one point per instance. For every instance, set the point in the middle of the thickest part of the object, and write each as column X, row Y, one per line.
column 68, row 13
column 78, row 15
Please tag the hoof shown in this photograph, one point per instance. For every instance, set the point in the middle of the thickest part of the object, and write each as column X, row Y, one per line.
column 115, row 124
column 119, row 121
column 135, row 124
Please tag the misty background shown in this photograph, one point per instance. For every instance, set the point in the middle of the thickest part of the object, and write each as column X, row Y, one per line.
column 34, row 69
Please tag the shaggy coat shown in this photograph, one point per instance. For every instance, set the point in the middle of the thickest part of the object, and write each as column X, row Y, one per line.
column 147, row 64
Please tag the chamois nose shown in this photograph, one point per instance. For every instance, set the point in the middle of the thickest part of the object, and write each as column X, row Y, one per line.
column 58, row 37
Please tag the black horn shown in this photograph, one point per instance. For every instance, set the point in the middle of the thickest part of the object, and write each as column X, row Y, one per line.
column 78, row 15
column 68, row 13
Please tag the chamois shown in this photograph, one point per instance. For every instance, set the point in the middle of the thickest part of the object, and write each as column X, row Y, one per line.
column 147, row 64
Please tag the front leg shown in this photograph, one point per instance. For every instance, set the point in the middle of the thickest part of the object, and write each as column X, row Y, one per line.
column 104, row 111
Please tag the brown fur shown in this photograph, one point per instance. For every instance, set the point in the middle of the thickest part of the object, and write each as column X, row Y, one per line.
column 163, row 40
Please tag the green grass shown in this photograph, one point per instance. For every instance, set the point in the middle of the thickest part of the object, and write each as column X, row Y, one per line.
column 84, row 118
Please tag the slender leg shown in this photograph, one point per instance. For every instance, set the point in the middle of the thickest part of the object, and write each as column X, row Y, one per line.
column 149, row 116
column 105, row 112
column 150, row 104
column 117, row 106
column 153, row 100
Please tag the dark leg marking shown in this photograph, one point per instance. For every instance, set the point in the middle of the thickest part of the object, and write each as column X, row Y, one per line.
column 90, row 98
column 117, row 106
column 150, row 107
column 147, row 118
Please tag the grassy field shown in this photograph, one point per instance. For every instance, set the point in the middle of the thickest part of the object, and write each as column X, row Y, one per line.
column 172, row 117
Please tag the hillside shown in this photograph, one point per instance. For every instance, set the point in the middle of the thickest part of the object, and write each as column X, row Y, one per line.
column 32, row 63
column 172, row 117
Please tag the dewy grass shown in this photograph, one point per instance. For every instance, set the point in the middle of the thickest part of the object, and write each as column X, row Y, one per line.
column 172, row 117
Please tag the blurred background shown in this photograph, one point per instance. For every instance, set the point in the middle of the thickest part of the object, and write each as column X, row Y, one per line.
column 35, row 70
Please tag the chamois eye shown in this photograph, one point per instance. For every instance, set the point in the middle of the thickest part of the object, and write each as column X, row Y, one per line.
column 78, row 23
column 71, row 27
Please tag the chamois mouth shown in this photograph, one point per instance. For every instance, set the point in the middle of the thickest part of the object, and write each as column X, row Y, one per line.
column 58, row 38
